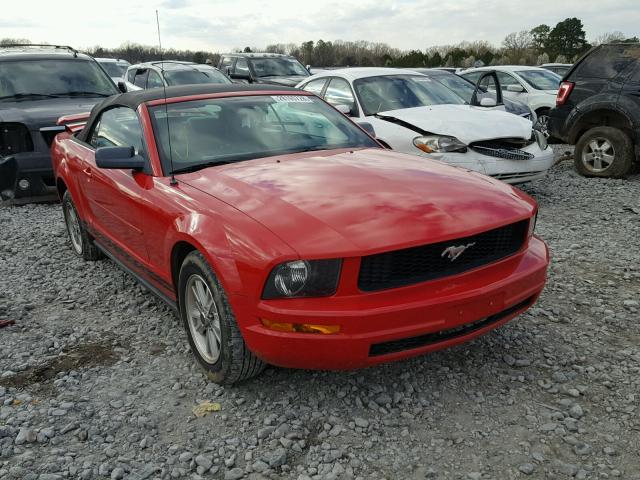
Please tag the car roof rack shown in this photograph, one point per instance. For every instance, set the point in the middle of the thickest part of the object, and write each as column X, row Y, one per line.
column 41, row 45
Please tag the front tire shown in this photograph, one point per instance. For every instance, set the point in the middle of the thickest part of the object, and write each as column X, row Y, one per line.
column 81, row 242
column 212, row 330
column 542, row 123
column 604, row 152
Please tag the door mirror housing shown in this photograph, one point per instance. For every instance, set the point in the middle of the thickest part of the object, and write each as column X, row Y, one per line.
column 488, row 102
column 122, row 86
column 344, row 109
column 516, row 88
column 119, row 158
column 367, row 127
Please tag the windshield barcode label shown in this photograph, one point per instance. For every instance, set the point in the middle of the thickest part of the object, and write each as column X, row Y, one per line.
column 292, row 98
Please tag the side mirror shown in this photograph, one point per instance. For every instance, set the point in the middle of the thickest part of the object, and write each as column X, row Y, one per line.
column 49, row 133
column 122, row 86
column 367, row 127
column 123, row 158
column 488, row 102
column 515, row 88
column 344, row 109
column 308, row 67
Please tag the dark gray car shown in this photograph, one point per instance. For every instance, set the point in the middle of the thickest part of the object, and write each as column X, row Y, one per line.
column 38, row 85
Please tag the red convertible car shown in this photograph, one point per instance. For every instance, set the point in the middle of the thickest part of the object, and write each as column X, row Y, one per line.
column 283, row 233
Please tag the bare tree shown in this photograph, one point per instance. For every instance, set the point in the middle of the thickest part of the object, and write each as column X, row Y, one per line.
column 609, row 37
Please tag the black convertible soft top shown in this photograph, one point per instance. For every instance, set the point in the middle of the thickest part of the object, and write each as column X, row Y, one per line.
column 135, row 98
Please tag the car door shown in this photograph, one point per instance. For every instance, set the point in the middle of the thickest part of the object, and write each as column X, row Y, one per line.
column 116, row 197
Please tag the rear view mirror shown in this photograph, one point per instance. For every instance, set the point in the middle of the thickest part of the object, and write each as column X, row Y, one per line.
column 487, row 102
column 122, row 86
column 515, row 88
column 367, row 127
column 119, row 158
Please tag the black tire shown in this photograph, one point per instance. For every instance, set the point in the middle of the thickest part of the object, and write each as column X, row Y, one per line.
column 235, row 362
column 82, row 243
column 623, row 154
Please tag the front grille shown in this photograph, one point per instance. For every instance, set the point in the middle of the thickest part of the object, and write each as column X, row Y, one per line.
column 508, row 148
column 403, row 344
column 14, row 138
column 399, row 268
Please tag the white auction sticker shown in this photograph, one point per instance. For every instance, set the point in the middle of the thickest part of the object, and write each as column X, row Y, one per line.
column 292, row 99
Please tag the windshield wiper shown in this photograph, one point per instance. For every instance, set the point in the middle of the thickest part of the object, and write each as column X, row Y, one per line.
column 19, row 96
column 200, row 166
column 82, row 94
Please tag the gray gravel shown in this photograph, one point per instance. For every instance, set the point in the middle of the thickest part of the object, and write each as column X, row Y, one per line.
column 96, row 380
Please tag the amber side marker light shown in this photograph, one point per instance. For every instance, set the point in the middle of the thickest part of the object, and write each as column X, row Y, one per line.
column 300, row 327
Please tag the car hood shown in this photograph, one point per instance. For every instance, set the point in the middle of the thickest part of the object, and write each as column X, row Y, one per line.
column 349, row 203
column 464, row 122
column 41, row 113
column 291, row 81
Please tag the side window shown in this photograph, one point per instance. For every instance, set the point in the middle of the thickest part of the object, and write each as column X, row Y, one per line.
column 315, row 86
column 226, row 63
column 131, row 74
column 118, row 127
column 140, row 79
column 505, row 80
column 339, row 93
column 154, row 80
column 608, row 61
column 242, row 67
column 473, row 76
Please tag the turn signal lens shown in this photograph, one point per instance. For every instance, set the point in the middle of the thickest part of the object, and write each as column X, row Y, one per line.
column 300, row 327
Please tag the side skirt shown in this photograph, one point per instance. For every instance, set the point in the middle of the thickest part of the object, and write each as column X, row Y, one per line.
column 145, row 283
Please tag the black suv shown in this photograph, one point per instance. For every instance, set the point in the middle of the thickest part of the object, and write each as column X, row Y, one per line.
column 598, row 110
column 269, row 68
column 39, row 84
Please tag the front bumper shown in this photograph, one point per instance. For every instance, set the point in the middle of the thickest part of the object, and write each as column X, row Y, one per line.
column 398, row 323
column 26, row 177
column 509, row 171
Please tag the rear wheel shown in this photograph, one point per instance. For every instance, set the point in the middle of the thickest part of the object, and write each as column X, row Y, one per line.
column 212, row 331
column 81, row 242
column 604, row 152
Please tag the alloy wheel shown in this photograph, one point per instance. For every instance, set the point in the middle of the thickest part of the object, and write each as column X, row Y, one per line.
column 73, row 227
column 598, row 155
column 204, row 318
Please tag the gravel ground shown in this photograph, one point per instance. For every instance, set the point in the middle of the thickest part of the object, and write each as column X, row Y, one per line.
column 96, row 380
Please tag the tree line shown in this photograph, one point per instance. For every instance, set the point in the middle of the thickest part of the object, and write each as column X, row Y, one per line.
column 563, row 43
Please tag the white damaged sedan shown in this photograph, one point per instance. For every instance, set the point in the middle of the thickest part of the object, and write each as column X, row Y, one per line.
column 414, row 114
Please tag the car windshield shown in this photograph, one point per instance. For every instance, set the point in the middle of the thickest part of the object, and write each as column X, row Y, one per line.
column 395, row 92
column 114, row 69
column 463, row 88
column 57, row 78
column 194, row 75
column 541, row 79
column 278, row 67
column 203, row 133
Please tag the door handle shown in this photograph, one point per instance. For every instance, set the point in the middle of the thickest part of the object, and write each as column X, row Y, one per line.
column 87, row 171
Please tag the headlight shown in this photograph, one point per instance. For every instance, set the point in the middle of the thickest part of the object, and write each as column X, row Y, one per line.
column 541, row 139
column 303, row 278
column 532, row 224
column 439, row 143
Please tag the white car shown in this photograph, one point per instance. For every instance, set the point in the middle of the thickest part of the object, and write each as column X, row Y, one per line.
column 171, row 72
column 412, row 113
column 535, row 86
column 115, row 67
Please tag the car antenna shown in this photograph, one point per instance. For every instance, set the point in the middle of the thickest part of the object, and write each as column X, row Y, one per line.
column 173, row 180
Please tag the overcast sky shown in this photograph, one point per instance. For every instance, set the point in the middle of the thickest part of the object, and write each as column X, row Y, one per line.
column 217, row 25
